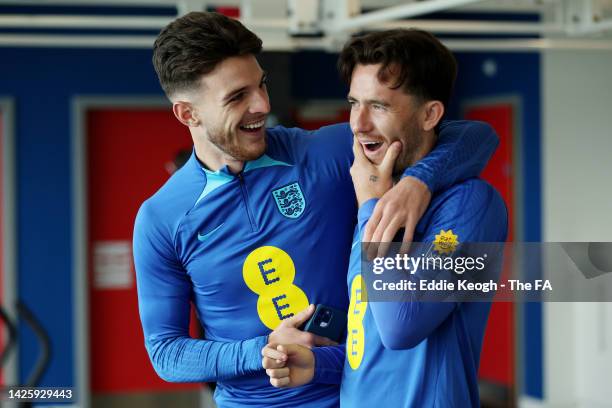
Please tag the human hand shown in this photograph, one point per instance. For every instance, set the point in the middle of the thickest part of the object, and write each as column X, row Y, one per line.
column 369, row 179
column 289, row 365
column 400, row 207
column 288, row 331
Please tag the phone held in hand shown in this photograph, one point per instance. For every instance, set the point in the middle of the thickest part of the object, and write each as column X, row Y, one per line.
column 328, row 322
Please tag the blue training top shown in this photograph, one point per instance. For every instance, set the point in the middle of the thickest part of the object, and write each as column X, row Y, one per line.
column 254, row 248
column 420, row 354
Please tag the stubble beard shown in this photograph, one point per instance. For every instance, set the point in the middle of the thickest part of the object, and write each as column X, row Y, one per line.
column 237, row 152
column 412, row 144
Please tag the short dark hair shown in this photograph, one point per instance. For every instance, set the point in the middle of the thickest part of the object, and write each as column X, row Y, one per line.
column 421, row 64
column 193, row 45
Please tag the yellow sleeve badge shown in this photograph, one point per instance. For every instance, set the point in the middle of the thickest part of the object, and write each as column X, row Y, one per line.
column 446, row 242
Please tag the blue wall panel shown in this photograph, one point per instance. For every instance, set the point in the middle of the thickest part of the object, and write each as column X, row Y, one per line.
column 43, row 82
column 517, row 74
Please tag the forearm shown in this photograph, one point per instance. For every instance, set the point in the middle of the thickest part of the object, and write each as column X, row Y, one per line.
column 461, row 152
column 403, row 325
column 329, row 362
column 184, row 359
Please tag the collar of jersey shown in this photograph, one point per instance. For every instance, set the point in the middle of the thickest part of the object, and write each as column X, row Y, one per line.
column 216, row 179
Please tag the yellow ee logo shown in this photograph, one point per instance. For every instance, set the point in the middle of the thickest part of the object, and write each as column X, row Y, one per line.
column 269, row 271
column 355, row 342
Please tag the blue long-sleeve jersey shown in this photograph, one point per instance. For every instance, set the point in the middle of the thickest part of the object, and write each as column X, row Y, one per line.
column 254, row 248
column 419, row 354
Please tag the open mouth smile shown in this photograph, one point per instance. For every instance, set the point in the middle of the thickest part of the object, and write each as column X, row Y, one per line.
column 371, row 146
column 253, row 126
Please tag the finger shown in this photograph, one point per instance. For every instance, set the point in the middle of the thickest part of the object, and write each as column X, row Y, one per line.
column 360, row 156
column 268, row 346
column 323, row 341
column 291, row 349
column 268, row 362
column 273, row 353
column 278, row 372
column 388, row 234
column 371, row 225
column 279, row 382
column 391, row 229
column 372, row 250
column 378, row 234
column 408, row 236
column 301, row 317
column 388, row 162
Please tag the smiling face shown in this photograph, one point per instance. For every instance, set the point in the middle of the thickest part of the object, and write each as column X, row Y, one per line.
column 231, row 105
column 381, row 115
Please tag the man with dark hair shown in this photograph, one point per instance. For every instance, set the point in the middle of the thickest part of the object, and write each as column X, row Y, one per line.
column 185, row 49
column 409, row 353
column 256, row 226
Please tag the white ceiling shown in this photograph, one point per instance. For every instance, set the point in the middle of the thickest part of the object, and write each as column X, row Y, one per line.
column 325, row 24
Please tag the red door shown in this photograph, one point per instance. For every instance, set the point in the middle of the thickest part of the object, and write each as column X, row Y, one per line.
column 498, row 353
column 129, row 155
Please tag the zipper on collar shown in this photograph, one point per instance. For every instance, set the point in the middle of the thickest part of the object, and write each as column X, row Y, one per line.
column 245, row 197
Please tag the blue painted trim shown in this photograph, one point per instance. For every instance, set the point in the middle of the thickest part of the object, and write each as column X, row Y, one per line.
column 263, row 161
column 533, row 357
column 214, row 180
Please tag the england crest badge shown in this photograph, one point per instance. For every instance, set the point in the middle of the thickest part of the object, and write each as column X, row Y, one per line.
column 290, row 200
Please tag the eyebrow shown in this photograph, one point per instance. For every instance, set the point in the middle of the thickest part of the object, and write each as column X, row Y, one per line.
column 370, row 101
column 235, row 92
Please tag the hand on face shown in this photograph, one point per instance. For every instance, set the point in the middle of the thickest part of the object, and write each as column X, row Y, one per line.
column 373, row 180
column 399, row 206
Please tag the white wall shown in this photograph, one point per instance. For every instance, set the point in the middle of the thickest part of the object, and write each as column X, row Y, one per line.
column 577, row 195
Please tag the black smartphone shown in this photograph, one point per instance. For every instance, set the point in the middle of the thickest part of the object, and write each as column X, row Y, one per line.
column 328, row 322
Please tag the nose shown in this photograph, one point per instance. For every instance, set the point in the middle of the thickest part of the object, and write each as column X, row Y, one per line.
column 360, row 119
column 260, row 102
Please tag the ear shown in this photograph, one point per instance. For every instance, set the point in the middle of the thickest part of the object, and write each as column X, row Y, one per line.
column 432, row 112
column 185, row 113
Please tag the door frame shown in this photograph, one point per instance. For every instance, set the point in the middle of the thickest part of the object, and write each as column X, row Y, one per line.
column 518, row 213
column 9, row 235
column 81, row 104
